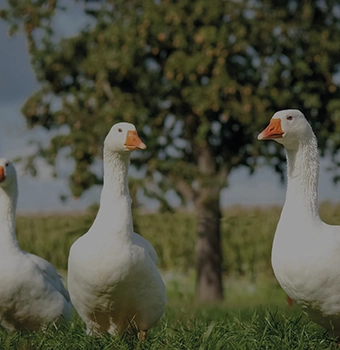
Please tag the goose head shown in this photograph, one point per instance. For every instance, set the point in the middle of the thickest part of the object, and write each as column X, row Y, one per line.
column 287, row 127
column 7, row 172
column 123, row 137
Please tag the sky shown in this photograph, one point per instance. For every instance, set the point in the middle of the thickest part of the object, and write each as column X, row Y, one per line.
column 41, row 194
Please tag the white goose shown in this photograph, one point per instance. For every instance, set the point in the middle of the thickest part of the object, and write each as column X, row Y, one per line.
column 32, row 294
column 306, row 251
column 113, row 279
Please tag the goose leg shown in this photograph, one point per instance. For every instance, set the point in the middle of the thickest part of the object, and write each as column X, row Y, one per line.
column 141, row 335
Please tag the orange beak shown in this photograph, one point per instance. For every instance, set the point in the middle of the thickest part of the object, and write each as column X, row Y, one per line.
column 133, row 141
column 272, row 131
column 2, row 174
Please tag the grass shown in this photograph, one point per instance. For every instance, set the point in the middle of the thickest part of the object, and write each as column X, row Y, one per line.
column 202, row 328
column 254, row 314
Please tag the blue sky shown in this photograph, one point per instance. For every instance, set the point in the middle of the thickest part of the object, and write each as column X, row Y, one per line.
column 41, row 193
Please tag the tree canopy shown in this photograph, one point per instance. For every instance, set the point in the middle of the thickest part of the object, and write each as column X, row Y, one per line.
column 190, row 74
column 199, row 79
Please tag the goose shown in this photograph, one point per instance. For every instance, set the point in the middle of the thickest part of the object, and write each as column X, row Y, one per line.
column 113, row 279
column 32, row 294
column 305, row 251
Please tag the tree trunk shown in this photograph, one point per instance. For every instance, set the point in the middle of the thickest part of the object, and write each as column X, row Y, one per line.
column 208, row 243
column 208, row 248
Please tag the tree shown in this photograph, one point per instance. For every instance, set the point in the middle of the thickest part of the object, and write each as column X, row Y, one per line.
column 198, row 79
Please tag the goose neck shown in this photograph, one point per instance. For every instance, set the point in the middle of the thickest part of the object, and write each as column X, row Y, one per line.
column 115, row 173
column 8, row 202
column 302, row 175
column 114, row 213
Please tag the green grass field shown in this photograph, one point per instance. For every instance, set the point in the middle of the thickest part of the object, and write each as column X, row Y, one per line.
column 185, row 327
column 254, row 314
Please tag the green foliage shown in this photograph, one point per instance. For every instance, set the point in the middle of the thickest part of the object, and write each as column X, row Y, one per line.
column 246, row 238
column 193, row 76
column 175, row 244
column 51, row 236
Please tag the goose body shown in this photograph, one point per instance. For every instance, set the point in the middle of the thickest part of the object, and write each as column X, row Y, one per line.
column 306, row 251
column 32, row 294
column 113, row 279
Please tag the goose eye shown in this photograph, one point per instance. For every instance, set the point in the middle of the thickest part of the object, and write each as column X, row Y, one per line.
column 6, row 164
column 120, row 130
column 289, row 117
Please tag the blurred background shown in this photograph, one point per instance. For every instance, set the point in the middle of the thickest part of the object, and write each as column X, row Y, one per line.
column 42, row 192
column 199, row 80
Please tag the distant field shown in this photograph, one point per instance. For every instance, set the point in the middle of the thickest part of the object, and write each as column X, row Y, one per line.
column 246, row 238
column 247, row 235
column 254, row 314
